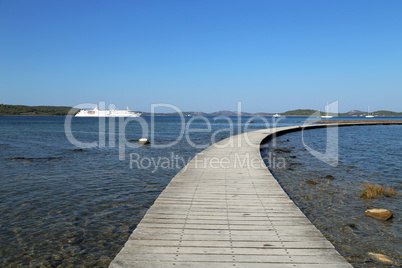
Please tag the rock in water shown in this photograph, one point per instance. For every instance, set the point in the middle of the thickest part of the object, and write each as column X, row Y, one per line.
column 143, row 141
column 379, row 213
column 279, row 150
column 381, row 257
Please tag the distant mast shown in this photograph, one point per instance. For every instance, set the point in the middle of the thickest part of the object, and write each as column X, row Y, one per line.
column 326, row 112
column 368, row 113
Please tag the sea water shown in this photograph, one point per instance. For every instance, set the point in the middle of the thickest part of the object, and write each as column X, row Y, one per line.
column 66, row 205
column 329, row 195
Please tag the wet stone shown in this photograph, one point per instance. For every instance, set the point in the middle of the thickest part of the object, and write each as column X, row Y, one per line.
column 381, row 258
column 379, row 213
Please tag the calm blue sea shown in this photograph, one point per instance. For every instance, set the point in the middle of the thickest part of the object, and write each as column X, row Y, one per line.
column 68, row 205
column 329, row 195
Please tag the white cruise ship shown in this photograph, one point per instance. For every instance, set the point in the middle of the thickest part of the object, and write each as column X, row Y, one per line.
column 107, row 113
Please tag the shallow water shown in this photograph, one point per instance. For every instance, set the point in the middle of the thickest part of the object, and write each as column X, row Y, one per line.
column 61, row 206
column 366, row 154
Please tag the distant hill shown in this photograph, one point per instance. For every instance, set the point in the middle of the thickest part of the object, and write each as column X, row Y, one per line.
column 263, row 114
column 308, row 112
column 228, row 113
column 300, row 112
column 387, row 113
column 354, row 112
column 33, row 110
column 376, row 113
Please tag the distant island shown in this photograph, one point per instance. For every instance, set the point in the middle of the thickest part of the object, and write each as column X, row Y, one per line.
column 23, row 110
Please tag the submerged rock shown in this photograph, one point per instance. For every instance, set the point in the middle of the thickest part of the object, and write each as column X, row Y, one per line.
column 296, row 164
column 30, row 159
column 19, row 158
column 352, row 225
column 311, row 182
column 379, row 213
column 57, row 257
column 381, row 257
column 279, row 150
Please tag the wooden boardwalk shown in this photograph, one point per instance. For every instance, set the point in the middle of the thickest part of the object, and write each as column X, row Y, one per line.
column 359, row 122
column 225, row 209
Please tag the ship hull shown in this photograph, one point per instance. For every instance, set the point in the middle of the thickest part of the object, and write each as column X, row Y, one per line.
column 106, row 113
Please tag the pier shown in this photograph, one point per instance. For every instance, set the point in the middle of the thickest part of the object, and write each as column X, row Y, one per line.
column 359, row 122
column 225, row 209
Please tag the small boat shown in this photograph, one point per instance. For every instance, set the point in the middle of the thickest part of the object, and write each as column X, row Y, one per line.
column 326, row 116
column 326, row 112
column 107, row 113
column 276, row 115
column 368, row 113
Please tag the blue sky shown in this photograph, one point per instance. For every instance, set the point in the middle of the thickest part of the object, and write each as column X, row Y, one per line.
column 204, row 55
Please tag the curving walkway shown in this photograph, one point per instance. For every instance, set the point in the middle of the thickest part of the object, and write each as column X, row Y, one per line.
column 225, row 209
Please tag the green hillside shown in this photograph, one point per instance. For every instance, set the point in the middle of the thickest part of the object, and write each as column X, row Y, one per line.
column 300, row 112
column 33, row 110
column 387, row 113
